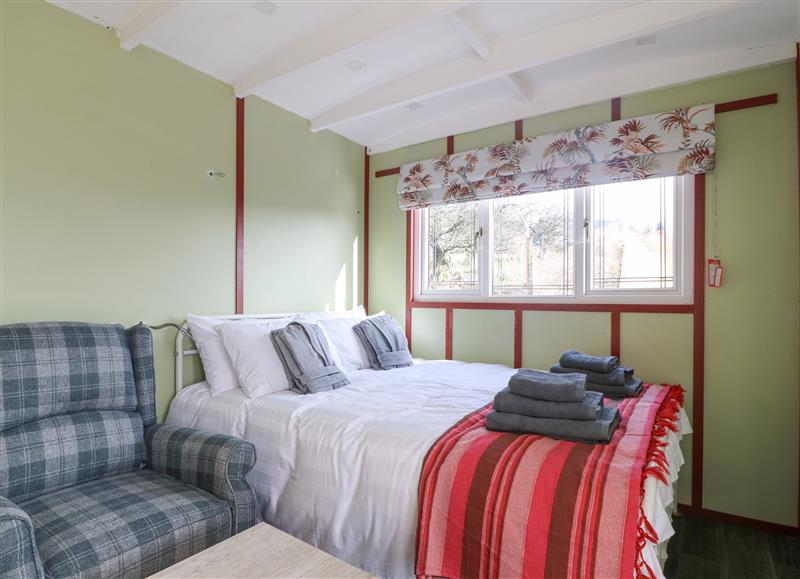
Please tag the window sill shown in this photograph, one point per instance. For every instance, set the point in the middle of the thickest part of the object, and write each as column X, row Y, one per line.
column 556, row 304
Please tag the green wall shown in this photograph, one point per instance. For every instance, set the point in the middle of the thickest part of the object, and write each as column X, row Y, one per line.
column 303, row 214
column 752, row 345
column 106, row 211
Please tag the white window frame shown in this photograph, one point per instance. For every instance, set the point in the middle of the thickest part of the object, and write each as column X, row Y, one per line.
column 683, row 266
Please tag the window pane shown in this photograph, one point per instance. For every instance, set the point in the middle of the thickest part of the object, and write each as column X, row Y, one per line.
column 633, row 235
column 452, row 247
column 533, row 245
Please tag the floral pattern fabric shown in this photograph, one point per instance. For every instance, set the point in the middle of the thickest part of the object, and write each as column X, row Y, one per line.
column 678, row 142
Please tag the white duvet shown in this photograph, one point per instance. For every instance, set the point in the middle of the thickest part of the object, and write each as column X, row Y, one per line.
column 340, row 469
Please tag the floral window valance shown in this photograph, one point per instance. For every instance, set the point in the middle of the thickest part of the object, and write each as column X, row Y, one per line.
column 678, row 142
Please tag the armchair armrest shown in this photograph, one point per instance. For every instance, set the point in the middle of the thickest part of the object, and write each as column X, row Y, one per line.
column 215, row 463
column 19, row 556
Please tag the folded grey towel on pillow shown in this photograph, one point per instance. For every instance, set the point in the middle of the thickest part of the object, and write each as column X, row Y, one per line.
column 590, row 431
column 306, row 358
column 385, row 342
column 631, row 390
column 575, row 359
column 547, row 386
column 619, row 376
column 587, row 409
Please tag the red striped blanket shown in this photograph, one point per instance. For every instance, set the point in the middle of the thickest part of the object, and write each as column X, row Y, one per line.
column 500, row 505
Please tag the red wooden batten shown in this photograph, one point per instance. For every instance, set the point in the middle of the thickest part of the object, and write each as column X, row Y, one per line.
column 697, row 308
column 239, row 205
column 366, row 231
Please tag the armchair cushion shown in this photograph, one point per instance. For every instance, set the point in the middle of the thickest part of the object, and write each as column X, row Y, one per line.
column 213, row 462
column 132, row 524
column 18, row 556
column 52, row 453
column 51, row 368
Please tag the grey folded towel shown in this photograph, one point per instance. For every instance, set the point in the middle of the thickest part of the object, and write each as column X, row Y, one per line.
column 306, row 358
column 631, row 390
column 591, row 431
column 617, row 377
column 547, row 386
column 588, row 409
column 575, row 359
column 384, row 341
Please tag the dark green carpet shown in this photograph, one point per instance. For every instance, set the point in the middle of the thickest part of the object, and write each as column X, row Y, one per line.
column 706, row 549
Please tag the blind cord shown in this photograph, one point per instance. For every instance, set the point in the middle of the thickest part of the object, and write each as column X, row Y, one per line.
column 714, row 227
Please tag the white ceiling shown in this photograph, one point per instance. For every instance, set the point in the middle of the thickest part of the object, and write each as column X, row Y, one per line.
column 468, row 64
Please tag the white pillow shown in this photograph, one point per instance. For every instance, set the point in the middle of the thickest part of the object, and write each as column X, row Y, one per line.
column 216, row 362
column 257, row 365
column 346, row 349
column 356, row 312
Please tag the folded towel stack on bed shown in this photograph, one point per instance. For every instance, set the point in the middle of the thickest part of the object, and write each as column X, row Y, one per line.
column 603, row 374
column 554, row 405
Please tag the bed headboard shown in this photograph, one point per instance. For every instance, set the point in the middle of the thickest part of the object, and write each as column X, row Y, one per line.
column 180, row 345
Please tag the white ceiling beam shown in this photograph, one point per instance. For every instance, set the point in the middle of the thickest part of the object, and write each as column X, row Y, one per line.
column 131, row 35
column 518, row 87
column 524, row 52
column 468, row 29
column 368, row 24
column 587, row 89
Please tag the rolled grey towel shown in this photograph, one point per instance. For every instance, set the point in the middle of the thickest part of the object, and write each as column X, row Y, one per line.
column 591, row 431
column 588, row 409
column 547, row 386
column 617, row 377
column 306, row 358
column 384, row 341
column 631, row 390
column 575, row 359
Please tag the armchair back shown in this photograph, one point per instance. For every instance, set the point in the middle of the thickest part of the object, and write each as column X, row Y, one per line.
column 74, row 401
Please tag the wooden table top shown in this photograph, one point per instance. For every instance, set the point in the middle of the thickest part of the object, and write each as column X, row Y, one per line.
column 262, row 552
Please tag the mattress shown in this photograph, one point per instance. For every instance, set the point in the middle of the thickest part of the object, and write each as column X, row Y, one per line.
column 340, row 469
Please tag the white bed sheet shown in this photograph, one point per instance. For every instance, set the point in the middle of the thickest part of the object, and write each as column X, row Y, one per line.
column 340, row 469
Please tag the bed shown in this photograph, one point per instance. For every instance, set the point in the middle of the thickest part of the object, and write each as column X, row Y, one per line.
column 341, row 469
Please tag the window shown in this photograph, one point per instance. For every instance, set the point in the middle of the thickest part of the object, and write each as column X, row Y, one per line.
column 532, row 245
column 452, row 250
column 620, row 242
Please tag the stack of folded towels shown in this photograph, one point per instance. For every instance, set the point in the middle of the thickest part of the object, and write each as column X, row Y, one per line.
column 554, row 405
column 603, row 374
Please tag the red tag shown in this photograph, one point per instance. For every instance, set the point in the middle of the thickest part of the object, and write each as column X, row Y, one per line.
column 714, row 272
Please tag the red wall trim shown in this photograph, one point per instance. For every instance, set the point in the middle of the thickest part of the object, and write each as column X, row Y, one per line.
column 518, row 130
column 387, row 172
column 616, row 114
column 797, row 104
column 366, row 231
column 448, row 334
column 699, row 331
column 239, row 205
column 616, row 109
column 560, row 307
column 698, row 309
column 767, row 99
column 451, row 145
column 409, row 272
column 737, row 520
column 517, row 338
column 615, row 333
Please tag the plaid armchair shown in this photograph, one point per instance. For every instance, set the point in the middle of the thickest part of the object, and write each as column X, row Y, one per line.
column 90, row 485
